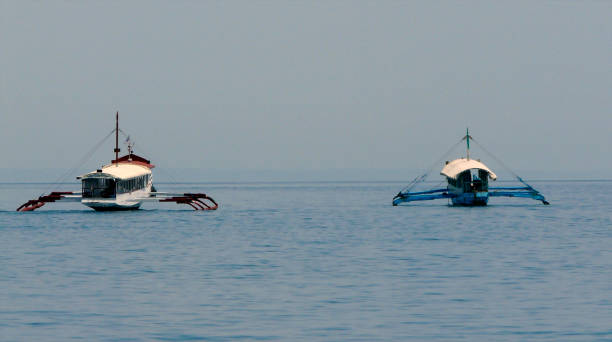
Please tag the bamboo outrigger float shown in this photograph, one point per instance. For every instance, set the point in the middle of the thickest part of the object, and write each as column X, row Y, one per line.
column 467, row 184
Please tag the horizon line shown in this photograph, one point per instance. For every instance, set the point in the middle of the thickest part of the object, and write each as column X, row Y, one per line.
column 563, row 180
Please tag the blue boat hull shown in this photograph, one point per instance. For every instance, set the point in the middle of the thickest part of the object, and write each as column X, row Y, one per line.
column 470, row 199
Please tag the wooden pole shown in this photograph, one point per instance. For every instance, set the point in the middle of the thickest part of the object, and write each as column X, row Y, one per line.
column 117, row 150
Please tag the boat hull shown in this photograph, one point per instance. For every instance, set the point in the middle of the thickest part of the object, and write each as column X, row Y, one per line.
column 127, row 201
column 110, row 206
column 98, row 207
column 471, row 199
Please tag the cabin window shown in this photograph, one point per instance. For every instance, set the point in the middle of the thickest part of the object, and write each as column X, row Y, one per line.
column 464, row 180
column 132, row 184
column 484, row 178
column 98, row 188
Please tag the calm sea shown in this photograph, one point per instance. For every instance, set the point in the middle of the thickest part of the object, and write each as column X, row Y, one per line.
column 310, row 262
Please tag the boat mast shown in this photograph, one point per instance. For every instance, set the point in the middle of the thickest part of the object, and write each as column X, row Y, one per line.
column 117, row 139
column 467, row 138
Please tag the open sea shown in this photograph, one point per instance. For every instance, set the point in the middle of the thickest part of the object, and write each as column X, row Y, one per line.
column 309, row 262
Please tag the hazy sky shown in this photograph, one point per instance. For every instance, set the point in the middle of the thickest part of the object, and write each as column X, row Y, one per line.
column 301, row 85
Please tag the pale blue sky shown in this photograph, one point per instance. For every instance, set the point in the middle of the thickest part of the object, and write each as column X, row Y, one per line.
column 286, row 85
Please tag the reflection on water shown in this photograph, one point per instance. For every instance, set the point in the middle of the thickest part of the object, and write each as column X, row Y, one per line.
column 309, row 262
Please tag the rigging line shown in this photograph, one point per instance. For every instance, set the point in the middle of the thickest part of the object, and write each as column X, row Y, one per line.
column 80, row 163
column 161, row 170
column 423, row 177
column 495, row 158
column 502, row 163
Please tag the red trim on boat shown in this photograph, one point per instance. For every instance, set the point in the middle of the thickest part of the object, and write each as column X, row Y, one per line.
column 34, row 204
column 135, row 159
column 196, row 201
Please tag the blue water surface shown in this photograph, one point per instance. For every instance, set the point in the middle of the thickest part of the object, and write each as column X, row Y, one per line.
column 310, row 262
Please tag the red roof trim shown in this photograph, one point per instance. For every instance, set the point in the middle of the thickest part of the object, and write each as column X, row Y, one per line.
column 135, row 159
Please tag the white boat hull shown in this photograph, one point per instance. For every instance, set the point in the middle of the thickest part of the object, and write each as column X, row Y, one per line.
column 127, row 201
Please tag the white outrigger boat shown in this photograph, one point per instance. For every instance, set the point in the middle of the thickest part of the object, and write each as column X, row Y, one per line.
column 467, row 184
column 124, row 184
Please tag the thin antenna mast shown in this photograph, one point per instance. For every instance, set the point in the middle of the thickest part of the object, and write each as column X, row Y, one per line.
column 117, row 150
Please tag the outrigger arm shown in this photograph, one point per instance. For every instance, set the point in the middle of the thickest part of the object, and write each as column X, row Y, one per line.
column 421, row 196
column 198, row 201
column 523, row 192
column 526, row 191
column 64, row 196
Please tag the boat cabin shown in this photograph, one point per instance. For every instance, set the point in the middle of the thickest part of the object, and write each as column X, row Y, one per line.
column 98, row 186
column 468, row 180
column 116, row 179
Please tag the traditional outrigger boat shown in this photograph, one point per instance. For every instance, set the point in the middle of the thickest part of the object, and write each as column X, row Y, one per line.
column 467, row 184
column 124, row 184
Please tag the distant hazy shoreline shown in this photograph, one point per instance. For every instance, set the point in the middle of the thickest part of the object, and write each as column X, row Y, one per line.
column 26, row 175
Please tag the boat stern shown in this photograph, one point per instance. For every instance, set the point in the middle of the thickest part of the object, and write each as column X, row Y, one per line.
column 480, row 198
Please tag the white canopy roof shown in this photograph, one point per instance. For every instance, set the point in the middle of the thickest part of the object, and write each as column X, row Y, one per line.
column 123, row 170
column 455, row 167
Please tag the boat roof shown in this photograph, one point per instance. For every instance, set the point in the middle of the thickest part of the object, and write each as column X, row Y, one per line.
column 122, row 171
column 134, row 159
column 455, row 167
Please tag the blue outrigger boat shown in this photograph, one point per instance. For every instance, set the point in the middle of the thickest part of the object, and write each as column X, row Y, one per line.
column 468, row 184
